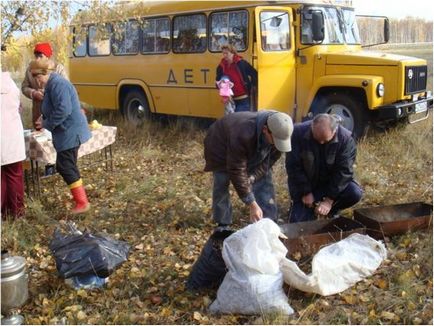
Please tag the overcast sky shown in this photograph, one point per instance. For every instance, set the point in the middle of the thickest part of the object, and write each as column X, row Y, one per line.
column 396, row 8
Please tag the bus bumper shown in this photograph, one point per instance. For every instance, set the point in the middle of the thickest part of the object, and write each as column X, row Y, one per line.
column 399, row 110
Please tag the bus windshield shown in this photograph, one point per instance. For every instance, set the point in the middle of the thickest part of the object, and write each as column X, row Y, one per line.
column 340, row 26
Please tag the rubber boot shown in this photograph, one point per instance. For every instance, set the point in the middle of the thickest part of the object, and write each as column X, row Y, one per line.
column 79, row 195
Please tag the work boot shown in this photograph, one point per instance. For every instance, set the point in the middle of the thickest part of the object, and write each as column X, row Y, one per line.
column 79, row 195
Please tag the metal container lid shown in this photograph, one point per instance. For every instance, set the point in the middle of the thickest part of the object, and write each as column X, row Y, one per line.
column 11, row 265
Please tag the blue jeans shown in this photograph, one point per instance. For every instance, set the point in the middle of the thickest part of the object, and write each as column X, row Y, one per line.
column 263, row 189
column 242, row 105
column 347, row 198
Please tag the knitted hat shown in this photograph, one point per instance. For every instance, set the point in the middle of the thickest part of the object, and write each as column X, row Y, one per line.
column 281, row 127
column 44, row 48
column 41, row 66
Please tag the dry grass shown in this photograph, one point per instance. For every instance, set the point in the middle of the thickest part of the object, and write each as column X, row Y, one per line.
column 158, row 199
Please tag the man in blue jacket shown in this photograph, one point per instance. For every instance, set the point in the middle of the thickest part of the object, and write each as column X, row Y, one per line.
column 320, row 169
column 62, row 116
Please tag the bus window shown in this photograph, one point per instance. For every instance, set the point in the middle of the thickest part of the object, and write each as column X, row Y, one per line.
column 79, row 41
column 275, row 31
column 228, row 28
column 99, row 39
column 189, row 34
column 156, row 35
column 126, row 37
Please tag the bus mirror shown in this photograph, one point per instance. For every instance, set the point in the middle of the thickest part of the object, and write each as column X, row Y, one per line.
column 317, row 26
column 386, row 30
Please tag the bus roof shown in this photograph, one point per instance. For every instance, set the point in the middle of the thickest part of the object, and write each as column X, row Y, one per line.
column 159, row 8
column 178, row 7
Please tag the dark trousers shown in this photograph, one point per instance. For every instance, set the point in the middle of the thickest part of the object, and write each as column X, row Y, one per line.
column 66, row 165
column 263, row 189
column 242, row 105
column 347, row 198
column 12, row 189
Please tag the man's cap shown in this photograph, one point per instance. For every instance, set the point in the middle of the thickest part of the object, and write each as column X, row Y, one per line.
column 44, row 48
column 281, row 127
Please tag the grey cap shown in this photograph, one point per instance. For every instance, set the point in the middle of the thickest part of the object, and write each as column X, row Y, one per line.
column 281, row 127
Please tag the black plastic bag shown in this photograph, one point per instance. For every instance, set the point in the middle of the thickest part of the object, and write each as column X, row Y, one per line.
column 209, row 269
column 78, row 253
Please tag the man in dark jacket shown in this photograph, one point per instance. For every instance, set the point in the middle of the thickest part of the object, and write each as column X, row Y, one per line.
column 320, row 169
column 241, row 148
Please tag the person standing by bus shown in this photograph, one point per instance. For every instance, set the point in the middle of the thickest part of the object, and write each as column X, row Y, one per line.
column 30, row 88
column 12, row 149
column 241, row 73
column 241, row 149
column 61, row 114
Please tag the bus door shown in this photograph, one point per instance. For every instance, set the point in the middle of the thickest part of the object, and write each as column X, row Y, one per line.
column 275, row 58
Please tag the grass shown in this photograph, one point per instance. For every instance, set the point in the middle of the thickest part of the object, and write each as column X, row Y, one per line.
column 158, row 200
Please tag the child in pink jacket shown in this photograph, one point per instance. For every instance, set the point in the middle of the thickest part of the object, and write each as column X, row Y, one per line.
column 225, row 91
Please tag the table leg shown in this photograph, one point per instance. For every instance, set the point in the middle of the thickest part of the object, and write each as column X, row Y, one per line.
column 38, row 181
column 111, row 157
column 32, row 175
column 105, row 157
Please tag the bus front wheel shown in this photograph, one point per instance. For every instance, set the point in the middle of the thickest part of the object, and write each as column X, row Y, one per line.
column 353, row 117
column 136, row 108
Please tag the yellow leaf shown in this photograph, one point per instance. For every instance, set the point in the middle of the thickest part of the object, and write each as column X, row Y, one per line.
column 350, row 299
column 82, row 293
column 381, row 283
column 364, row 298
column 81, row 315
column 165, row 312
column 197, row 316
column 139, row 247
column 387, row 315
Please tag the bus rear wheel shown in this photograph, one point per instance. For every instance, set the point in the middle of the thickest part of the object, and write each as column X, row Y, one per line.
column 135, row 108
column 353, row 117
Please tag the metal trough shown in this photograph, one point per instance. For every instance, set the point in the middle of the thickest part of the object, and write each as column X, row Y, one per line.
column 307, row 238
column 394, row 219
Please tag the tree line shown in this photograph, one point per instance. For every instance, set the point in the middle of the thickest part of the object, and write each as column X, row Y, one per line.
column 406, row 30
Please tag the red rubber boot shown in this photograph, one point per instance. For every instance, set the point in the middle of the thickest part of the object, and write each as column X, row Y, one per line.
column 79, row 195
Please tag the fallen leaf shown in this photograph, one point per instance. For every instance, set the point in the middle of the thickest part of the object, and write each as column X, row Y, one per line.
column 381, row 283
column 155, row 299
column 197, row 316
column 388, row 315
column 81, row 315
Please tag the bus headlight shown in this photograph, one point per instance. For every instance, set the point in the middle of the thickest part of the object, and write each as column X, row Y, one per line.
column 380, row 90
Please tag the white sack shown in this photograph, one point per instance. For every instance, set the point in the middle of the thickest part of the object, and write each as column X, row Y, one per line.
column 253, row 283
column 338, row 266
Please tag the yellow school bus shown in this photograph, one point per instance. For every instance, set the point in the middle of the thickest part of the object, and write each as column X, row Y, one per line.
column 308, row 56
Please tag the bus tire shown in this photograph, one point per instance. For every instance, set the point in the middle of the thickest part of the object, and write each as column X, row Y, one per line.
column 135, row 108
column 351, row 112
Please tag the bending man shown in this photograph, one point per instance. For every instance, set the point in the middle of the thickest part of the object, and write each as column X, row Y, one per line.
column 320, row 169
column 241, row 148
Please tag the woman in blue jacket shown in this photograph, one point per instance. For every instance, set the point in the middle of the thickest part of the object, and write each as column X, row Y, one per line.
column 62, row 116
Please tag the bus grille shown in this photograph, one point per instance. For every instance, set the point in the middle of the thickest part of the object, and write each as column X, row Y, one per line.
column 415, row 79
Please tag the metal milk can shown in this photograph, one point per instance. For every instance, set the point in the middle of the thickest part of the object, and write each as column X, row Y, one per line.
column 14, row 287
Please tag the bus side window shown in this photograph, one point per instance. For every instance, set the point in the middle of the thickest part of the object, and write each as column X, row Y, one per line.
column 79, row 41
column 125, row 38
column 99, row 39
column 156, row 33
column 228, row 28
column 189, row 34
